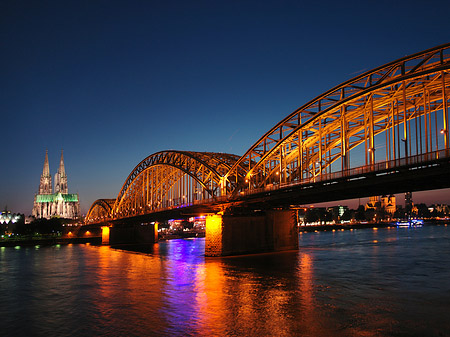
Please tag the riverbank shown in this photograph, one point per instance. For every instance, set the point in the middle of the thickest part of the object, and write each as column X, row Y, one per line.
column 49, row 241
column 313, row 228
column 180, row 235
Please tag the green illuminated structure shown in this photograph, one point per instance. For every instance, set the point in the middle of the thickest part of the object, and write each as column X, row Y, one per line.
column 57, row 203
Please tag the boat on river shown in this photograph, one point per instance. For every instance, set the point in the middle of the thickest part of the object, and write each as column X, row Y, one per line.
column 410, row 223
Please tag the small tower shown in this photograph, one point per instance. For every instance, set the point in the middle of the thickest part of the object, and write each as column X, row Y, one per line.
column 408, row 202
column 45, row 185
column 61, row 178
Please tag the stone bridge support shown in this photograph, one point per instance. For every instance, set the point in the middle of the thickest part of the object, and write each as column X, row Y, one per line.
column 274, row 230
column 105, row 235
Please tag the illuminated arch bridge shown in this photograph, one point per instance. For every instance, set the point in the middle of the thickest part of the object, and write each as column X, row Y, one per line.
column 167, row 180
column 388, row 117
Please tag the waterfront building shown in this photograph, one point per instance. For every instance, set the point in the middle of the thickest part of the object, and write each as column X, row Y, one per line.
column 388, row 203
column 337, row 212
column 7, row 217
column 8, row 221
column 59, row 202
column 374, row 203
column 440, row 208
column 385, row 203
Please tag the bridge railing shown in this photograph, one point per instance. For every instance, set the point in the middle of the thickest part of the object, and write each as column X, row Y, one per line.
column 143, row 211
column 350, row 174
column 355, row 173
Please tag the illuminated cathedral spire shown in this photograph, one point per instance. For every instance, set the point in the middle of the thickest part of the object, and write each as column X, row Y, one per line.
column 61, row 178
column 45, row 185
column 60, row 203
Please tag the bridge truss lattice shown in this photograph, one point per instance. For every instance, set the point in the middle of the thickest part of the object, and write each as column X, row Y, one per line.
column 383, row 118
column 396, row 111
column 170, row 179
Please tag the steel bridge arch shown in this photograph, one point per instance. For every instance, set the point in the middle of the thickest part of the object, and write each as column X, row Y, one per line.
column 174, row 178
column 100, row 210
column 317, row 138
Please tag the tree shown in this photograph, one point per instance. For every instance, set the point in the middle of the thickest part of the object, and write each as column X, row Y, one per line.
column 347, row 216
column 360, row 214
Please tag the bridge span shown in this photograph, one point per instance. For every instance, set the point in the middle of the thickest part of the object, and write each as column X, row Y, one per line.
column 385, row 131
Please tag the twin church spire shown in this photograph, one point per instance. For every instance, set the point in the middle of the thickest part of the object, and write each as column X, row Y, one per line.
column 61, row 178
column 55, row 202
column 45, row 186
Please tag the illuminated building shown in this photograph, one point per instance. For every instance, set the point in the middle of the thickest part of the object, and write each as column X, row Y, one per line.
column 337, row 211
column 8, row 221
column 57, row 203
column 386, row 203
column 374, row 203
column 7, row 217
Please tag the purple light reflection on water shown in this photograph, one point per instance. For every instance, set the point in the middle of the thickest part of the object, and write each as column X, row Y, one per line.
column 363, row 282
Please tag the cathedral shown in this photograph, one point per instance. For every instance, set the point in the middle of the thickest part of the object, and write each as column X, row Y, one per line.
column 49, row 203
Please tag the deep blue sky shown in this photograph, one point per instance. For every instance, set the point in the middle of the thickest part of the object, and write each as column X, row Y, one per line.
column 112, row 82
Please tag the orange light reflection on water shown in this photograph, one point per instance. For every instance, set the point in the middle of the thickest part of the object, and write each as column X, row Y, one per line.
column 138, row 284
column 210, row 298
column 306, row 284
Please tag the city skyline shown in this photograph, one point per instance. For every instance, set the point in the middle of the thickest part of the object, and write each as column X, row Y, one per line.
column 111, row 84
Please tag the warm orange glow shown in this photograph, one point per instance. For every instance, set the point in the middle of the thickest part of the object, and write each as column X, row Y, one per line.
column 306, row 284
column 210, row 294
column 375, row 228
column 213, row 235
column 88, row 233
column 105, row 235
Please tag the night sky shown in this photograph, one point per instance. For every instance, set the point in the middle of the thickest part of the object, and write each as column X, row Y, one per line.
column 111, row 82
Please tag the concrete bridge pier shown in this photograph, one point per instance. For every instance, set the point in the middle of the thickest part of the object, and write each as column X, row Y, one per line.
column 105, row 234
column 272, row 231
column 140, row 233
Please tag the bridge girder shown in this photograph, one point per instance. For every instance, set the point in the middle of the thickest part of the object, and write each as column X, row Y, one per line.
column 406, row 101
column 169, row 179
column 387, row 117
column 100, row 210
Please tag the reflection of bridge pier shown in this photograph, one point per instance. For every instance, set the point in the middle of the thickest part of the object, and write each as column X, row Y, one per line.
column 130, row 233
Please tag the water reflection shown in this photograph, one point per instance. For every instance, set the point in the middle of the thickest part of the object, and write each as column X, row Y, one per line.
column 306, row 287
column 345, row 283
column 210, row 297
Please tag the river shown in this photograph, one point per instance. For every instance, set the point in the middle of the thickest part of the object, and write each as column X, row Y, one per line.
column 365, row 282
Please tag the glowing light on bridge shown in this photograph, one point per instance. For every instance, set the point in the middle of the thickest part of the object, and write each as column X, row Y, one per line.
column 386, row 118
column 105, row 235
column 213, row 229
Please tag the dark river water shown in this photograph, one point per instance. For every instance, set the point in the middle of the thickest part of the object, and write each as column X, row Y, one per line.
column 365, row 282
